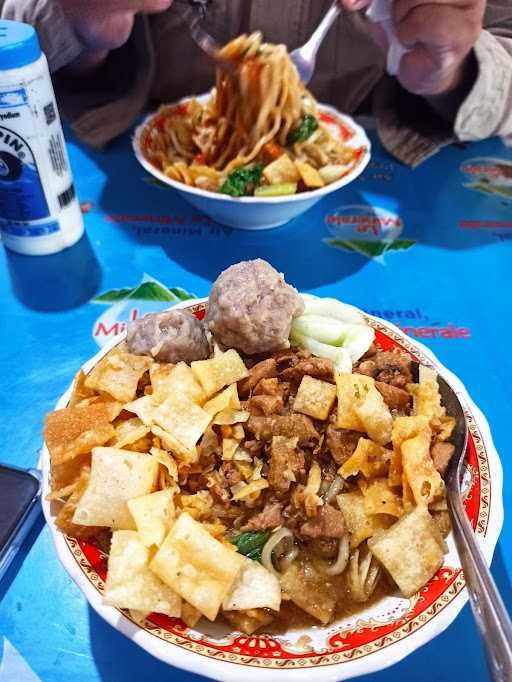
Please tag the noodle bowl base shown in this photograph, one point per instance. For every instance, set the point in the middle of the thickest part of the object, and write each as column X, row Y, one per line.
column 255, row 213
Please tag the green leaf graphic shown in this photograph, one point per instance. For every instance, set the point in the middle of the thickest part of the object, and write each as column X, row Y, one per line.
column 147, row 291
column 182, row 294
column 501, row 190
column 401, row 245
column 113, row 296
column 151, row 291
column 370, row 249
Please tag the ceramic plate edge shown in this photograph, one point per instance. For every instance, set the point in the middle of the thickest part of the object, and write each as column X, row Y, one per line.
column 229, row 672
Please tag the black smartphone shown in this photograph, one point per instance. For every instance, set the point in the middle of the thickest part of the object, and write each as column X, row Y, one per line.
column 20, row 491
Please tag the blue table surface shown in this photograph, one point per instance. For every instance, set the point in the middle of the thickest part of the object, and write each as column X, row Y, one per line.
column 446, row 275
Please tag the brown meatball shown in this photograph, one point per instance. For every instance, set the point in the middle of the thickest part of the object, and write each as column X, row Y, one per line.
column 171, row 336
column 251, row 308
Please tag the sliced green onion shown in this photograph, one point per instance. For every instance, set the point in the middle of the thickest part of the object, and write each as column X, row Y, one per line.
column 280, row 190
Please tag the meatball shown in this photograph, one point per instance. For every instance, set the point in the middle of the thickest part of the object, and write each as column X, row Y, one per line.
column 251, row 308
column 171, row 336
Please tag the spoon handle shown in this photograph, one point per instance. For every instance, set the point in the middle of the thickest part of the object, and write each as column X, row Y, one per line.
column 493, row 622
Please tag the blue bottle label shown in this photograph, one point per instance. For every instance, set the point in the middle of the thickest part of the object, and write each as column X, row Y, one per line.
column 29, row 229
column 22, row 196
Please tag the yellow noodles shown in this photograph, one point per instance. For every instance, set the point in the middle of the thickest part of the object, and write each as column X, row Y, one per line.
column 248, row 119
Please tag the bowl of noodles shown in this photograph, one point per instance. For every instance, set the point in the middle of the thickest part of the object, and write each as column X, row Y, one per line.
column 258, row 150
column 269, row 515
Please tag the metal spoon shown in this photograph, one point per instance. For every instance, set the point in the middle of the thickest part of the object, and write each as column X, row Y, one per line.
column 493, row 622
column 304, row 57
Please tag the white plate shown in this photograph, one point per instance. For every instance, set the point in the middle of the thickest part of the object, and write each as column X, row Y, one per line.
column 374, row 639
column 256, row 213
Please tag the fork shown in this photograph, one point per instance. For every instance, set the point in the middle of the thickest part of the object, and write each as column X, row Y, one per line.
column 493, row 622
column 304, row 57
column 378, row 11
column 193, row 12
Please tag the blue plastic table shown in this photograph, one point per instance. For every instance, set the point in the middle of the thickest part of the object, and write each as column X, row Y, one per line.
column 430, row 250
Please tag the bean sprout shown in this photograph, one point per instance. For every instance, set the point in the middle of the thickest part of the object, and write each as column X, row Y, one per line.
column 271, row 545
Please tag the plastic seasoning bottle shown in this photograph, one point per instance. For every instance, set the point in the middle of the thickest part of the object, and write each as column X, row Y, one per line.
column 39, row 211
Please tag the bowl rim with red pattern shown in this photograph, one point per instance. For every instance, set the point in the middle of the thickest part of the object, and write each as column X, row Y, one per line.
column 373, row 639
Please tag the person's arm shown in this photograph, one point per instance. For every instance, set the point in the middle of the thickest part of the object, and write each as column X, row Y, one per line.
column 455, row 83
column 56, row 35
column 100, row 55
column 487, row 108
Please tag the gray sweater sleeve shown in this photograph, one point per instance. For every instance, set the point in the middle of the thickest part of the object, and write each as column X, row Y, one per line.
column 97, row 110
column 410, row 129
column 57, row 38
column 487, row 110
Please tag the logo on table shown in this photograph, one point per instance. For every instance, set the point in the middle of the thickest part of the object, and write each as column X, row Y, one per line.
column 488, row 175
column 370, row 231
column 128, row 304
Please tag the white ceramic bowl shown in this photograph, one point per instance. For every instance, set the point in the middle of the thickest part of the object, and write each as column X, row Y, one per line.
column 367, row 642
column 254, row 213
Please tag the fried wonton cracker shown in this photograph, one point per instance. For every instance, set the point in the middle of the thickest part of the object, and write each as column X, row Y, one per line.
column 228, row 417
column 411, row 550
column 254, row 588
column 179, row 379
column 167, row 460
column 129, row 431
column 64, row 519
column 154, row 515
column 62, row 493
column 229, row 447
column 130, row 584
column 63, row 427
column 198, row 567
column 118, row 374
column 228, row 398
column 310, row 176
column 199, row 505
column 362, row 408
column 71, row 433
column 252, row 490
column 360, row 523
column 222, row 370
column 426, row 395
column 116, row 477
column 379, row 498
column 312, row 500
column 170, row 443
column 369, row 459
column 182, row 419
column 424, row 480
column 403, row 429
column 281, row 170
column 80, row 391
column 443, row 428
column 190, row 615
column 315, row 398
column 143, row 408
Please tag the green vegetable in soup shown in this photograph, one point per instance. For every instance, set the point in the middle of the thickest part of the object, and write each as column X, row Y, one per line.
column 251, row 544
column 280, row 190
column 303, row 132
column 242, row 181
